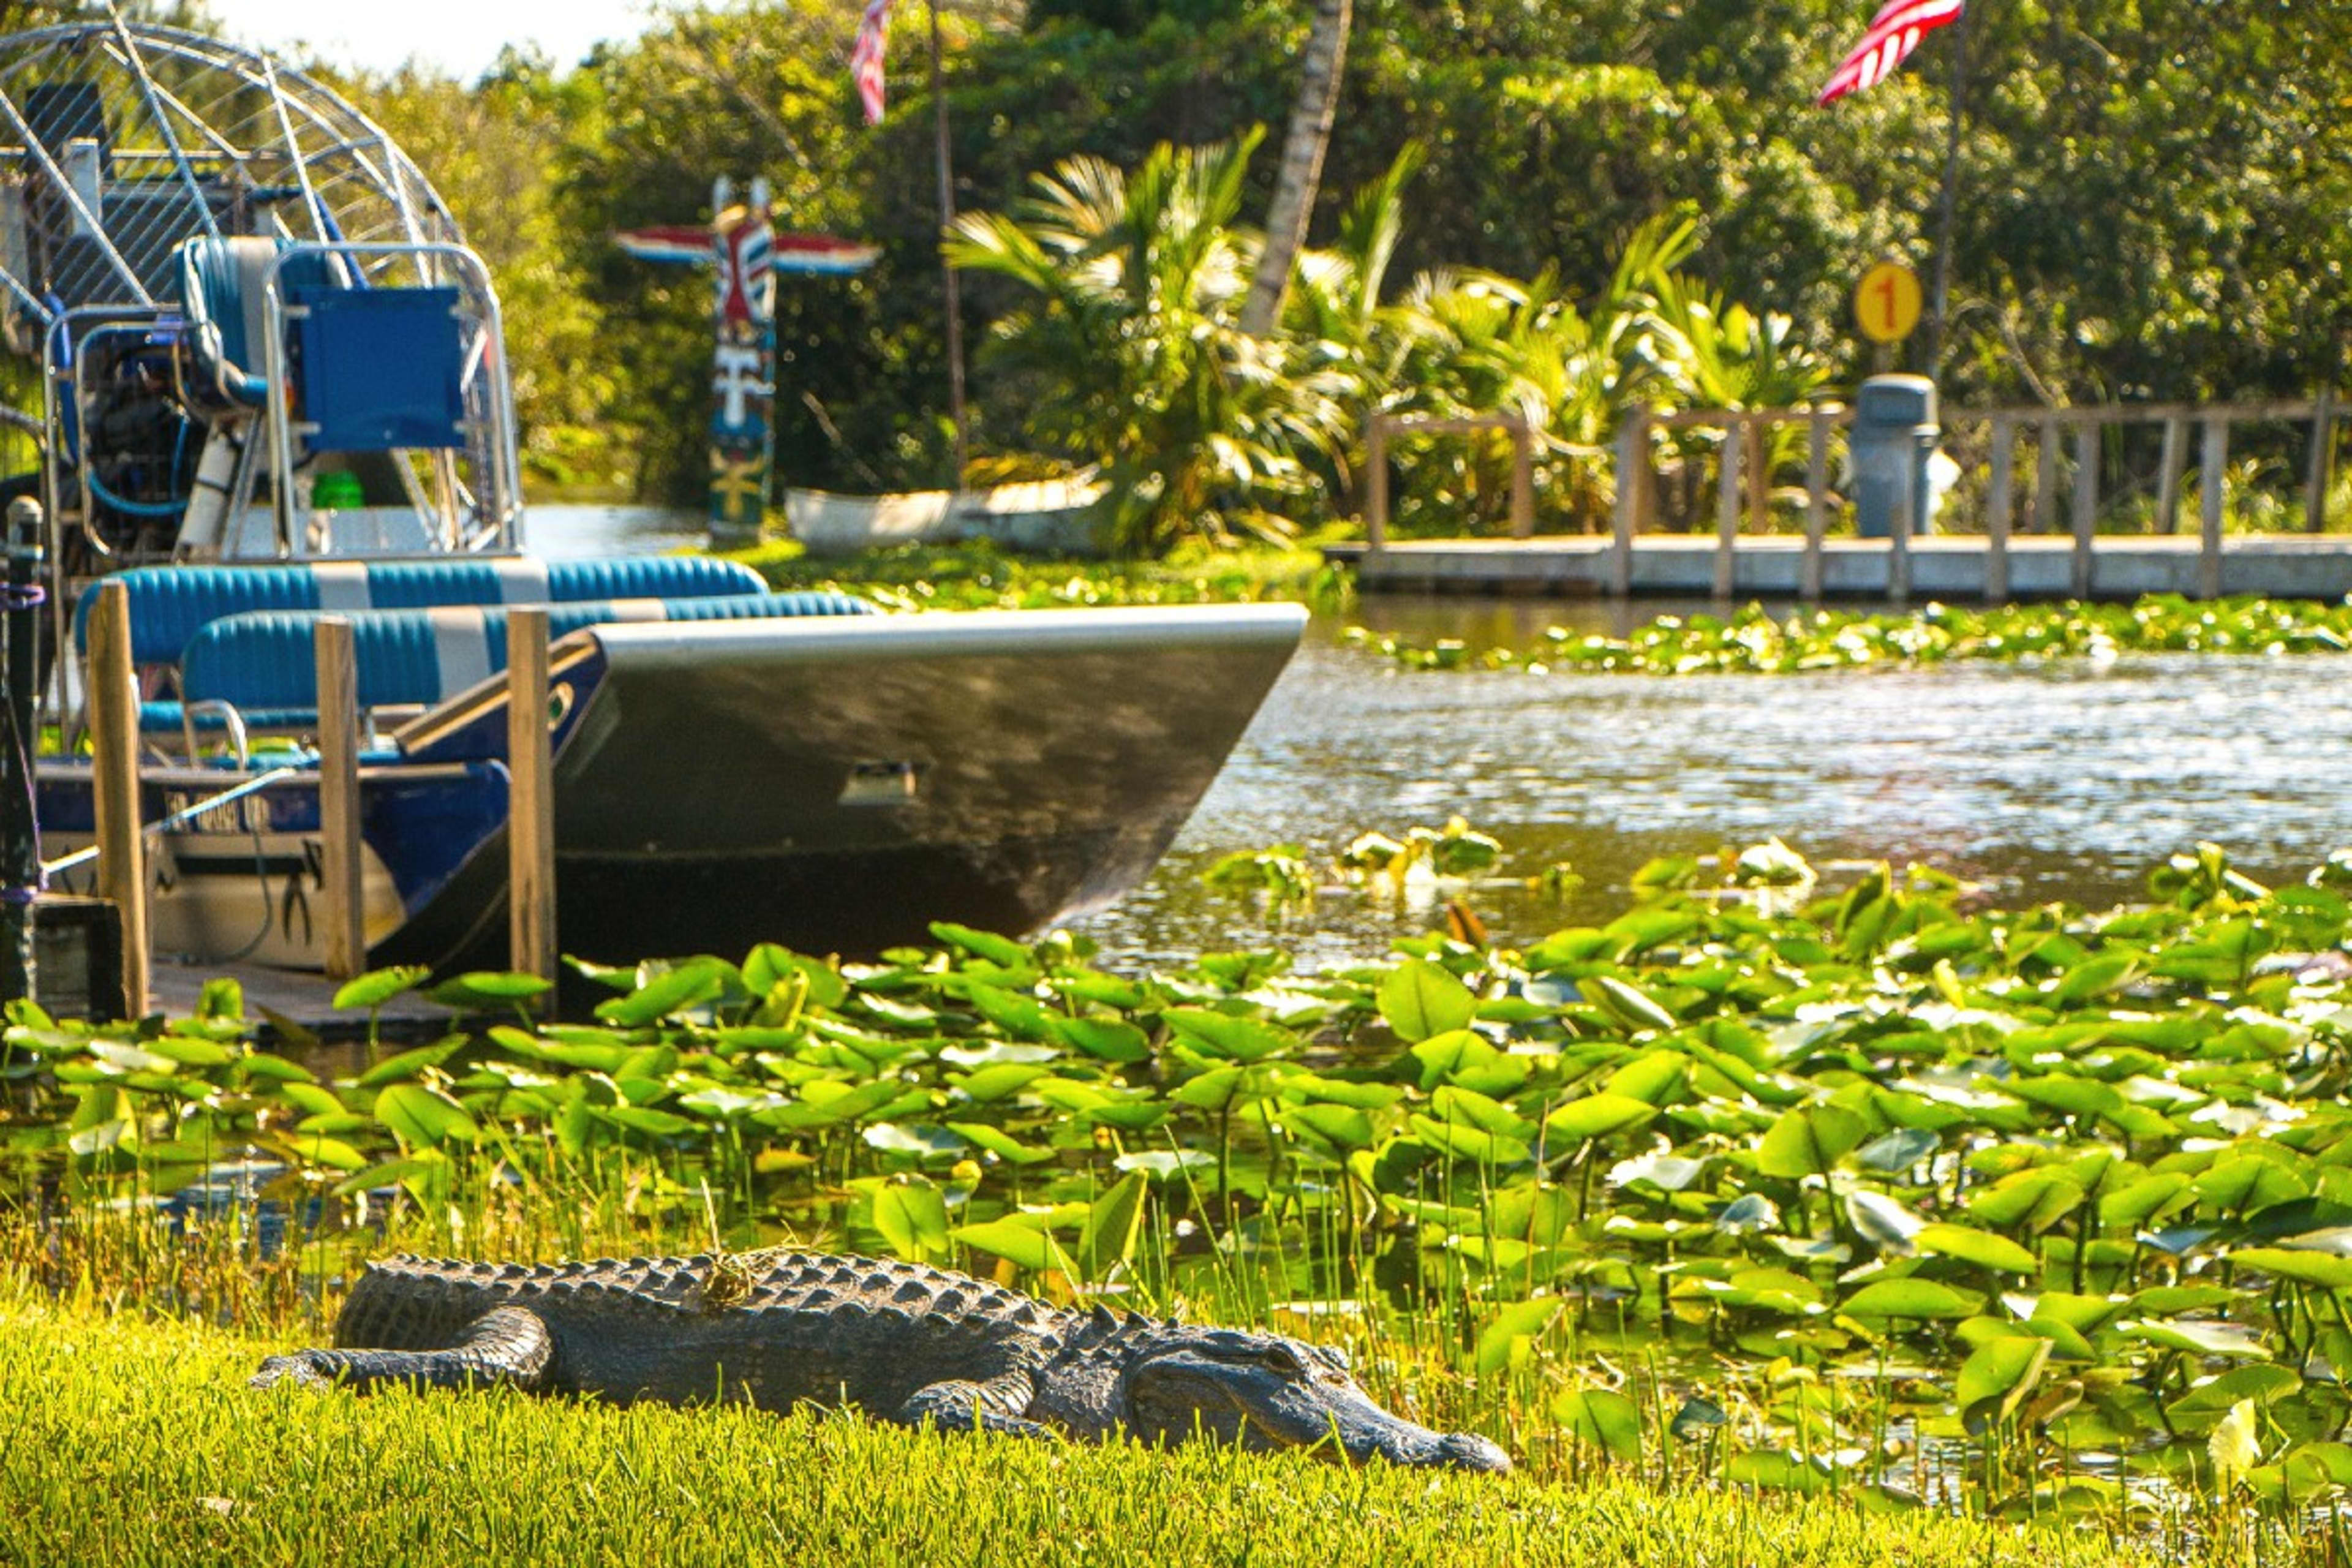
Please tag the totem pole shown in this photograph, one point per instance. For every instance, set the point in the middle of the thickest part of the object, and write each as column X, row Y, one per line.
column 743, row 378
column 744, row 253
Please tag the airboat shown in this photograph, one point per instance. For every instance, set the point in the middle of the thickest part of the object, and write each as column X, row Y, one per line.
column 272, row 387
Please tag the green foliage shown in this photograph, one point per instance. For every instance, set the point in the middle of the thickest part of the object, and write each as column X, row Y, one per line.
column 1133, row 357
column 2083, row 1171
column 2145, row 211
column 1753, row 641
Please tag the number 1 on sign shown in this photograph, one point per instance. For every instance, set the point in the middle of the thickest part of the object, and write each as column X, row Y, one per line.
column 1886, row 302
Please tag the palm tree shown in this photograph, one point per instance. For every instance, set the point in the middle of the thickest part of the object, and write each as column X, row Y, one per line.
column 1301, row 170
column 1134, row 362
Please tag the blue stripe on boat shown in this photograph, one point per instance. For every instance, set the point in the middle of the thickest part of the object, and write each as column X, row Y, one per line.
column 170, row 604
column 266, row 661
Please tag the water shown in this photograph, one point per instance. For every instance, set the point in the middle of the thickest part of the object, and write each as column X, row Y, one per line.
column 2067, row 781
column 573, row 529
column 2063, row 781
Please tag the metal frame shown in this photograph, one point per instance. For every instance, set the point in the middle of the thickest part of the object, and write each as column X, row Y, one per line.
column 500, row 506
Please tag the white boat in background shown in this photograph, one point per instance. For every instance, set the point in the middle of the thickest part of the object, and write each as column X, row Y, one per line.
column 1042, row 516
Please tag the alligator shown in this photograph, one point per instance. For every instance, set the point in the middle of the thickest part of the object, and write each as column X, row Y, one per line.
column 903, row 1343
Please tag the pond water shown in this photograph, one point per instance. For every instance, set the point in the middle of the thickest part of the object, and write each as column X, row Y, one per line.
column 2061, row 781
column 2065, row 781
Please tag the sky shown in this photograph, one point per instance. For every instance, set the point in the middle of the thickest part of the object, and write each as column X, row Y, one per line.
column 460, row 36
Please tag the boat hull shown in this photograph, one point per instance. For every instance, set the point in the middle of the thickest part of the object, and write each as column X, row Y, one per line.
column 835, row 785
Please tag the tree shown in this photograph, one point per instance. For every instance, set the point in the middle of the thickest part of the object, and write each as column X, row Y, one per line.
column 1130, row 358
column 1301, row 169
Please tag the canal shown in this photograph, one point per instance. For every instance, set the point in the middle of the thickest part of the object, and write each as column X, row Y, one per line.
column 2065, row 780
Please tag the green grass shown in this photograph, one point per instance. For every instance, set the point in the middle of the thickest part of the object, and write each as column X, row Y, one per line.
column 132, row 1443
column 978, row 576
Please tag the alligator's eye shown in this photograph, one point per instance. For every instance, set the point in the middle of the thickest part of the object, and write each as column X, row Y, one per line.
column 1281, row 1363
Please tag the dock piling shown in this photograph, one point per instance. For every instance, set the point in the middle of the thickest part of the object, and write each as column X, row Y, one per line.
column 1997, row 509
column 2323, row 460
column 1727, row 511
column 1523, row 481
column 341, row 884
column 531, row 798
column 1817, row 501
column 2086, row 504
column 2209, row 478
column 114, row 767
column 2169, row 472
column 1633, row 467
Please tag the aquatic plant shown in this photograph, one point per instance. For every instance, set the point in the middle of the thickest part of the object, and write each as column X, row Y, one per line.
column 976, row 575
column 1859, row 1184
column 1754, row 640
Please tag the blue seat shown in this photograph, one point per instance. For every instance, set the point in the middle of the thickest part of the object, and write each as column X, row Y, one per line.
column 169, row 605
column 265, row 663
column 221, row 291
column 378, row 369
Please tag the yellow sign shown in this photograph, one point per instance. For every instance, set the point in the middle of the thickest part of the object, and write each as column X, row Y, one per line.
column 1886, row 302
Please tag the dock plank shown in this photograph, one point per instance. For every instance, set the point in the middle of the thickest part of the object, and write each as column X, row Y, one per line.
column 1951, row 568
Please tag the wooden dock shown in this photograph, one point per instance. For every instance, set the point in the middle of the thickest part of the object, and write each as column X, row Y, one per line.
column 1952, row 568
column 303, row 999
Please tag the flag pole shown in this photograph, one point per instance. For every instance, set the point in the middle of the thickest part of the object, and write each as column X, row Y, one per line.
column 946, row 222
column 1939, row 301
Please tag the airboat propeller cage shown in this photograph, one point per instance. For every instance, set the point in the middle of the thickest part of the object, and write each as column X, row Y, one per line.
column 240, row 291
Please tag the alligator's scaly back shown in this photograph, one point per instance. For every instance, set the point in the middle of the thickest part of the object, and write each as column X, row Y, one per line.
column 900, row 1340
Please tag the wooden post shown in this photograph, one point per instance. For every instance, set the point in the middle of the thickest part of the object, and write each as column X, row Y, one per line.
column 531, row 798
column 1727, row 509
column 2210, row 465
column 342, row 896
column 1759, row 481
column 1523, row 481
column 2086, row 501
column 1898, row 545
column 1998, row 508
column 1817, row 501
column 114, row 769
column 2322, row 454
column 1632, row 466
column 1376, row 487
column 2045, row 479
column 2169, row 472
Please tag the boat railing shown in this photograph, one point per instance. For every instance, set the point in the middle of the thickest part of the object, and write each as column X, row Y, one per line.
column 484, row 392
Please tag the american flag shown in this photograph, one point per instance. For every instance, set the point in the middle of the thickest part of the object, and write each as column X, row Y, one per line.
column 866, row 59
column 1894, row 34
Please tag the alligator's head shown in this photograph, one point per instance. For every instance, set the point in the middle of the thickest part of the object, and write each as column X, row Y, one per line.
column 1265, row 1391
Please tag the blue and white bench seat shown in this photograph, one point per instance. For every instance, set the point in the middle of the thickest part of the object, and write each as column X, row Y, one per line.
column 265, row 663
column 169, row 605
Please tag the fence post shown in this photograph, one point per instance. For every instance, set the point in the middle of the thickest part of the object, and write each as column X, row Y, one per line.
column 2045, row 479
column 2323, row 455
column 2210, row 464
column 531, row 798
column 2086, row 501
column 1376, row 488
column 114, row 777
column 1759, row 480
column 1523, row 481
column 1997, row 509
column 1727, row 508
column 1898, row 546
column 1632, row 469
column 1817, row 501
column 341, row 884
column 2167, row 481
